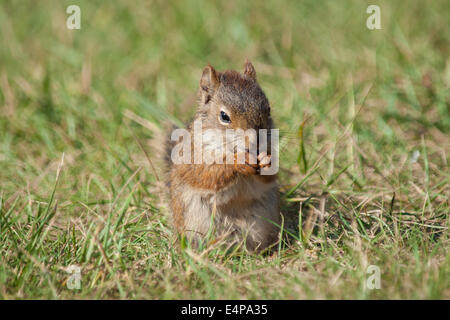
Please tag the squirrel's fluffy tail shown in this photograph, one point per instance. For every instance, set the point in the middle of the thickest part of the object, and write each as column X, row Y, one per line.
column 161, row 146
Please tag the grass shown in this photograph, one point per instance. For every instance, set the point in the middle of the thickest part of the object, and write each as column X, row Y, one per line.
column 364, row 124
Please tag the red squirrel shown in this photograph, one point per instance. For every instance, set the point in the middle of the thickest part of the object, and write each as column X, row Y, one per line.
column 234, row 199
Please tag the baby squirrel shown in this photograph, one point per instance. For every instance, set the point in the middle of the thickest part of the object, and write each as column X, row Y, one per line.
column 235, row 198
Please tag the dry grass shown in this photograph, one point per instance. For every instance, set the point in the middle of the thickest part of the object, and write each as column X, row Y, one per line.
column 364, row 122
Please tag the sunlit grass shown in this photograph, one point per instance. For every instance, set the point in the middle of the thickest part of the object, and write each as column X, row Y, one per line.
column 364, row 125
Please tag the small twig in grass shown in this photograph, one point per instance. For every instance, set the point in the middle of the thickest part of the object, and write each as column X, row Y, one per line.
column 335, row 278
column 102, row 250
column 143, row 122
column 309, row 224
column 280, row 240
column 301, row 159
column 300, row 221
column 351, row 112
column 322, row 214
column 392, row 204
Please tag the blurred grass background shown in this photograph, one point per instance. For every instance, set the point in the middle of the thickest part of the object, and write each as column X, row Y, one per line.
column 364, row 122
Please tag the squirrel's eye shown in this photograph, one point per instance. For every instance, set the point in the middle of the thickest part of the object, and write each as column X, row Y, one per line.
column 224, row 117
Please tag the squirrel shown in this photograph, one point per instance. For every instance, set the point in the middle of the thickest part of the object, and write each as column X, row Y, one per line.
column 233, row 198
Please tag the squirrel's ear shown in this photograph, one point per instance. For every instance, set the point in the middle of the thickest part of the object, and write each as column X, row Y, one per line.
column 209, row 81
column 249, row 70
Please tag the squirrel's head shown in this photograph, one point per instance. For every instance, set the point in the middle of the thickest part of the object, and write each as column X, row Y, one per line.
column 231, row 100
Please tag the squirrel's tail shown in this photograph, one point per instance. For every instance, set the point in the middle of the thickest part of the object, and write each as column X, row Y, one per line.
column 168, row 146
column 161, row 149
column 161, row 146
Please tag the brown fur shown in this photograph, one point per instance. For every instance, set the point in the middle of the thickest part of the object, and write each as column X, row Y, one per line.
column 239, row 194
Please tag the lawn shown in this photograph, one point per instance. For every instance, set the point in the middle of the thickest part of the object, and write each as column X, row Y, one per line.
column 364, row 136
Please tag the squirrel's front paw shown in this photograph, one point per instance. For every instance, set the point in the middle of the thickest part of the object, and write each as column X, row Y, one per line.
column 246, row 163
column 264, row 160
